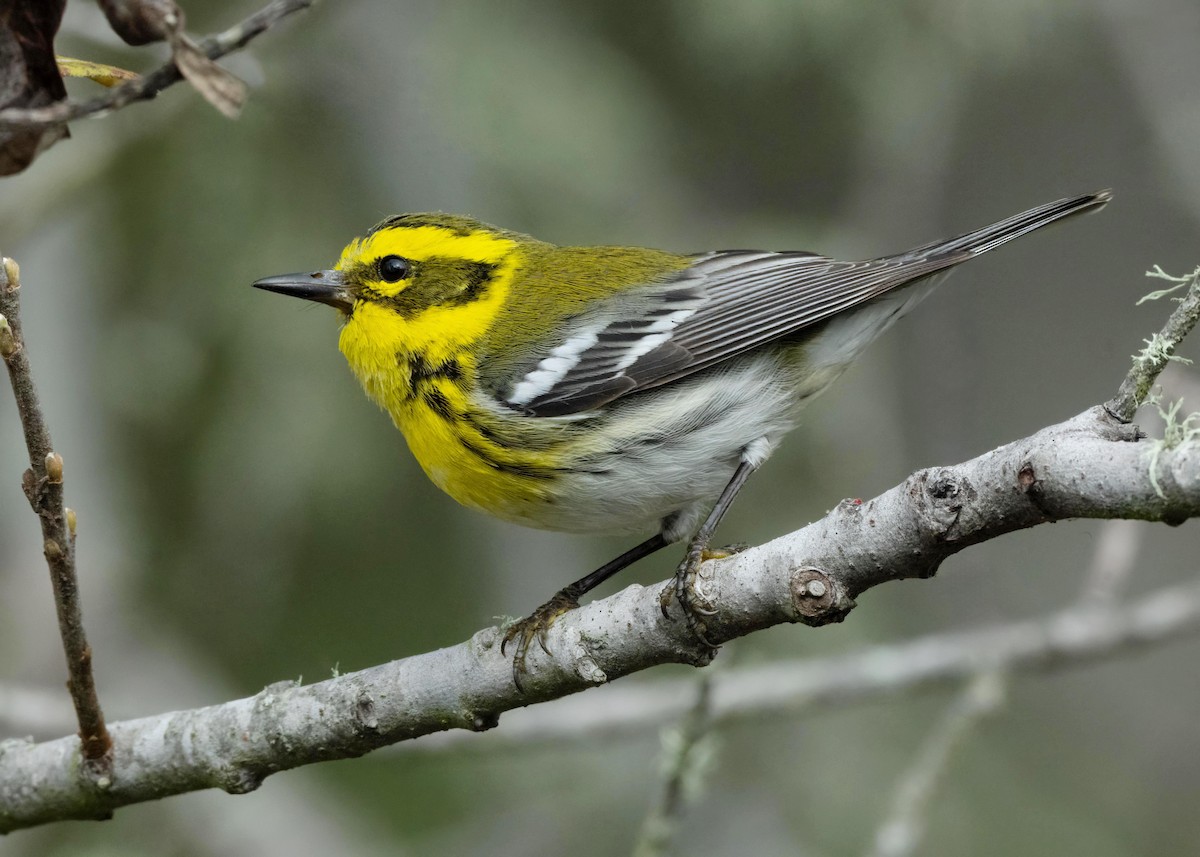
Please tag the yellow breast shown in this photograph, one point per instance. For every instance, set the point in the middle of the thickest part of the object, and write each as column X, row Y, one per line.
column 461, row 455
column 458, row 443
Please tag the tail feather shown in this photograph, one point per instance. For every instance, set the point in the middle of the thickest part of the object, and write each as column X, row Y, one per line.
column 991, row 237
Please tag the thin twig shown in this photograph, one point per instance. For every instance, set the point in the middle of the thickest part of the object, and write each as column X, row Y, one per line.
column 150, row 85
column 43, row 484
column 688, row 750
column 1159, row 348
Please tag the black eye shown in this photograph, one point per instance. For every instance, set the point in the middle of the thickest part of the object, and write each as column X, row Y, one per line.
column 393, row 269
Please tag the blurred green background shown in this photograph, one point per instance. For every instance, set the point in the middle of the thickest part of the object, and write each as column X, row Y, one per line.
column 247, row 516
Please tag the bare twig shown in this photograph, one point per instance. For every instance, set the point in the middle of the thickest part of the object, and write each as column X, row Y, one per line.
column 688, row 751
column 1159, row 348
column 150, row 85
column 140, row 22
column 43, row 484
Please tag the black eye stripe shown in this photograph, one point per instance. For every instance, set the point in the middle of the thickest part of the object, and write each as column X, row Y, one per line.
column 393, row 269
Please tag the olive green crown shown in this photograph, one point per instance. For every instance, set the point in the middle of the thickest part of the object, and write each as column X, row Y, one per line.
column 455, row 223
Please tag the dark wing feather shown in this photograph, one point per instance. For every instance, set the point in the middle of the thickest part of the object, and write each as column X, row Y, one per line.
column 727, row 303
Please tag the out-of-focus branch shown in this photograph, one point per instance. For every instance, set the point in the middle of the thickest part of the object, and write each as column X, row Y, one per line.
column 687, row 754
column 33, row 710
column 1113, row 561
column 43, row 484
column 150, row 85
column 902, row 831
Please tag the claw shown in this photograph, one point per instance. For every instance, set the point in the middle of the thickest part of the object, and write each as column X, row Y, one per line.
column 664, row 600
column 534, row 626
column 700, row 630
column 683, row 590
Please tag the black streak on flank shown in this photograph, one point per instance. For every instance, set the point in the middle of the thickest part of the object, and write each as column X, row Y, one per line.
column 529, row 471
column 489, row 434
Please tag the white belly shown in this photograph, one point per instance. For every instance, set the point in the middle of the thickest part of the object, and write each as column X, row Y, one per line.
column 670, row 451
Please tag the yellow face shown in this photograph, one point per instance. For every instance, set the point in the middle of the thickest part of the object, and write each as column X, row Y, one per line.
column 417, row 294
column 420, row 287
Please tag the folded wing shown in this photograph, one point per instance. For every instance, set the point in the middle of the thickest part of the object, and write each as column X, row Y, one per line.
column 727, row 303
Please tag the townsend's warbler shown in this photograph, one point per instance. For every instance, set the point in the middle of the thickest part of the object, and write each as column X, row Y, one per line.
column 591, row 389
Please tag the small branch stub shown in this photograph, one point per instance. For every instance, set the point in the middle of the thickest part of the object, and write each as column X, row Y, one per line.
column 943, row 493
column 364, row 711
column 815, row 597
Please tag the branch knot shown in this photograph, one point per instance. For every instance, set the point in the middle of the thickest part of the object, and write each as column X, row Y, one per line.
column 941, row 495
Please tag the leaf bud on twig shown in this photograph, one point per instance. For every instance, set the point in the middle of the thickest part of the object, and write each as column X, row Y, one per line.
column 8, row 342
column 54, row 468
column 12, row 272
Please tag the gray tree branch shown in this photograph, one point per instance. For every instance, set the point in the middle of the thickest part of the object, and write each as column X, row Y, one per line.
column 1088, row 466
column 796, row 687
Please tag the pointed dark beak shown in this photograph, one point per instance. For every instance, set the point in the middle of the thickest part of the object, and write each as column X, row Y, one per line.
column 326, row 287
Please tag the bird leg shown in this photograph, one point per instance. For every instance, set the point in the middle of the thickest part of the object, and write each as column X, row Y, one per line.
column 683, row 588
column 536, row 624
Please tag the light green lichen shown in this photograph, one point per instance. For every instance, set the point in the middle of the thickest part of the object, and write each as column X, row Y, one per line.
column 1159, row 274
column 1157, row 352
column 1176, row 432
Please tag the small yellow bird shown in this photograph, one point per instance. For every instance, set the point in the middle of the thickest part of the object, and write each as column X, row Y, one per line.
column 600, row 389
